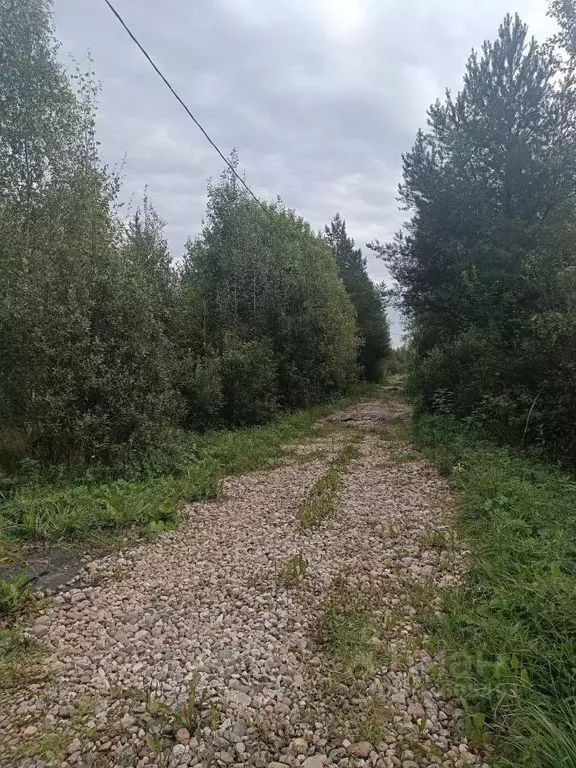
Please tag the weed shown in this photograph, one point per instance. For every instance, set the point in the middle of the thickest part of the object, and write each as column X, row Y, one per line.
column 19, row 660
column 397, row 458
column 13, row 595
column 423, row 598
column 190, row 714
column 348, row 634
column 293, row 571
column 373, row 723
column 439, row 539
column 547, row 734
column 84, row 708
column 48, row 746
column 321, row 500
column 161, row 526
column 349, row 452
column 325, row 491
column 160, row 748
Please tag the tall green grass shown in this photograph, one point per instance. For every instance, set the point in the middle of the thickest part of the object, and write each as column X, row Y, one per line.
column 510, row 631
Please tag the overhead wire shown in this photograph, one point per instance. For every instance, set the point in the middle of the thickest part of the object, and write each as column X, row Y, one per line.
column 183, row 104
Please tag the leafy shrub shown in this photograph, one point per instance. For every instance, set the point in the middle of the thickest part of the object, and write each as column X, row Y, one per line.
column 202, row 390
column 13, row 595
column 249, row 383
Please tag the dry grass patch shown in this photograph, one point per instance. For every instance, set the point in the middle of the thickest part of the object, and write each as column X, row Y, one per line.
column 325, row 491
column 321, row 500
column 293, row 571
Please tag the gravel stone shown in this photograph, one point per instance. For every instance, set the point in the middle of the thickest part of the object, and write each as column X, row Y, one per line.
column 183, row 735
column 362, row 749
column 299, row 746
column 416, row 710
column 313, row 762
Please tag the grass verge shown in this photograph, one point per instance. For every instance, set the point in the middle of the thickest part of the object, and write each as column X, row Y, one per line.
column 36, row 509
column 510, row 630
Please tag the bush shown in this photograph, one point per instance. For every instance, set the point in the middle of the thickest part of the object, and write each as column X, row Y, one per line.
column 202, row 391
column 249, row 383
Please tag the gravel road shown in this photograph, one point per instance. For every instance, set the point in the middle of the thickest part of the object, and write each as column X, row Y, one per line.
column 195, row 649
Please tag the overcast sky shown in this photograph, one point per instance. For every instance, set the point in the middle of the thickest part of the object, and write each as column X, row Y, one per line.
column 320, row 97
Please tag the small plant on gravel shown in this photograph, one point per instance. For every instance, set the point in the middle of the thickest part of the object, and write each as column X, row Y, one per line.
column 325, row 491
column 191, row 714
column 348, row 634
column 161, row 526
column 439, row 539
column 349, row 452
column 321, row 500
column 84, row 708
column 293, row 571
column 51, row 747
column 423, row 597
column 397, row 458
column 373, row 722
column 160, row 748
column 19, row 660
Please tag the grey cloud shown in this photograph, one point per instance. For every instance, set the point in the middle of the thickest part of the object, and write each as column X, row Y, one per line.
column 319, row 96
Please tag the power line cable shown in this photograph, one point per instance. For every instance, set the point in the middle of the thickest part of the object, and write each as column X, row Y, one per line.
column 182, row 103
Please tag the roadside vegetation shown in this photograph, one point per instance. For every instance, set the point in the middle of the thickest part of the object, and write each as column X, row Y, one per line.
column 37, row 508
column 131, row 381
column 485, row 267
column 509, row 630
column 109, row 347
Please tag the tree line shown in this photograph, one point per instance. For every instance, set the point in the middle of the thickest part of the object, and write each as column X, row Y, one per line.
column 486, row 266
column 106, row 341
